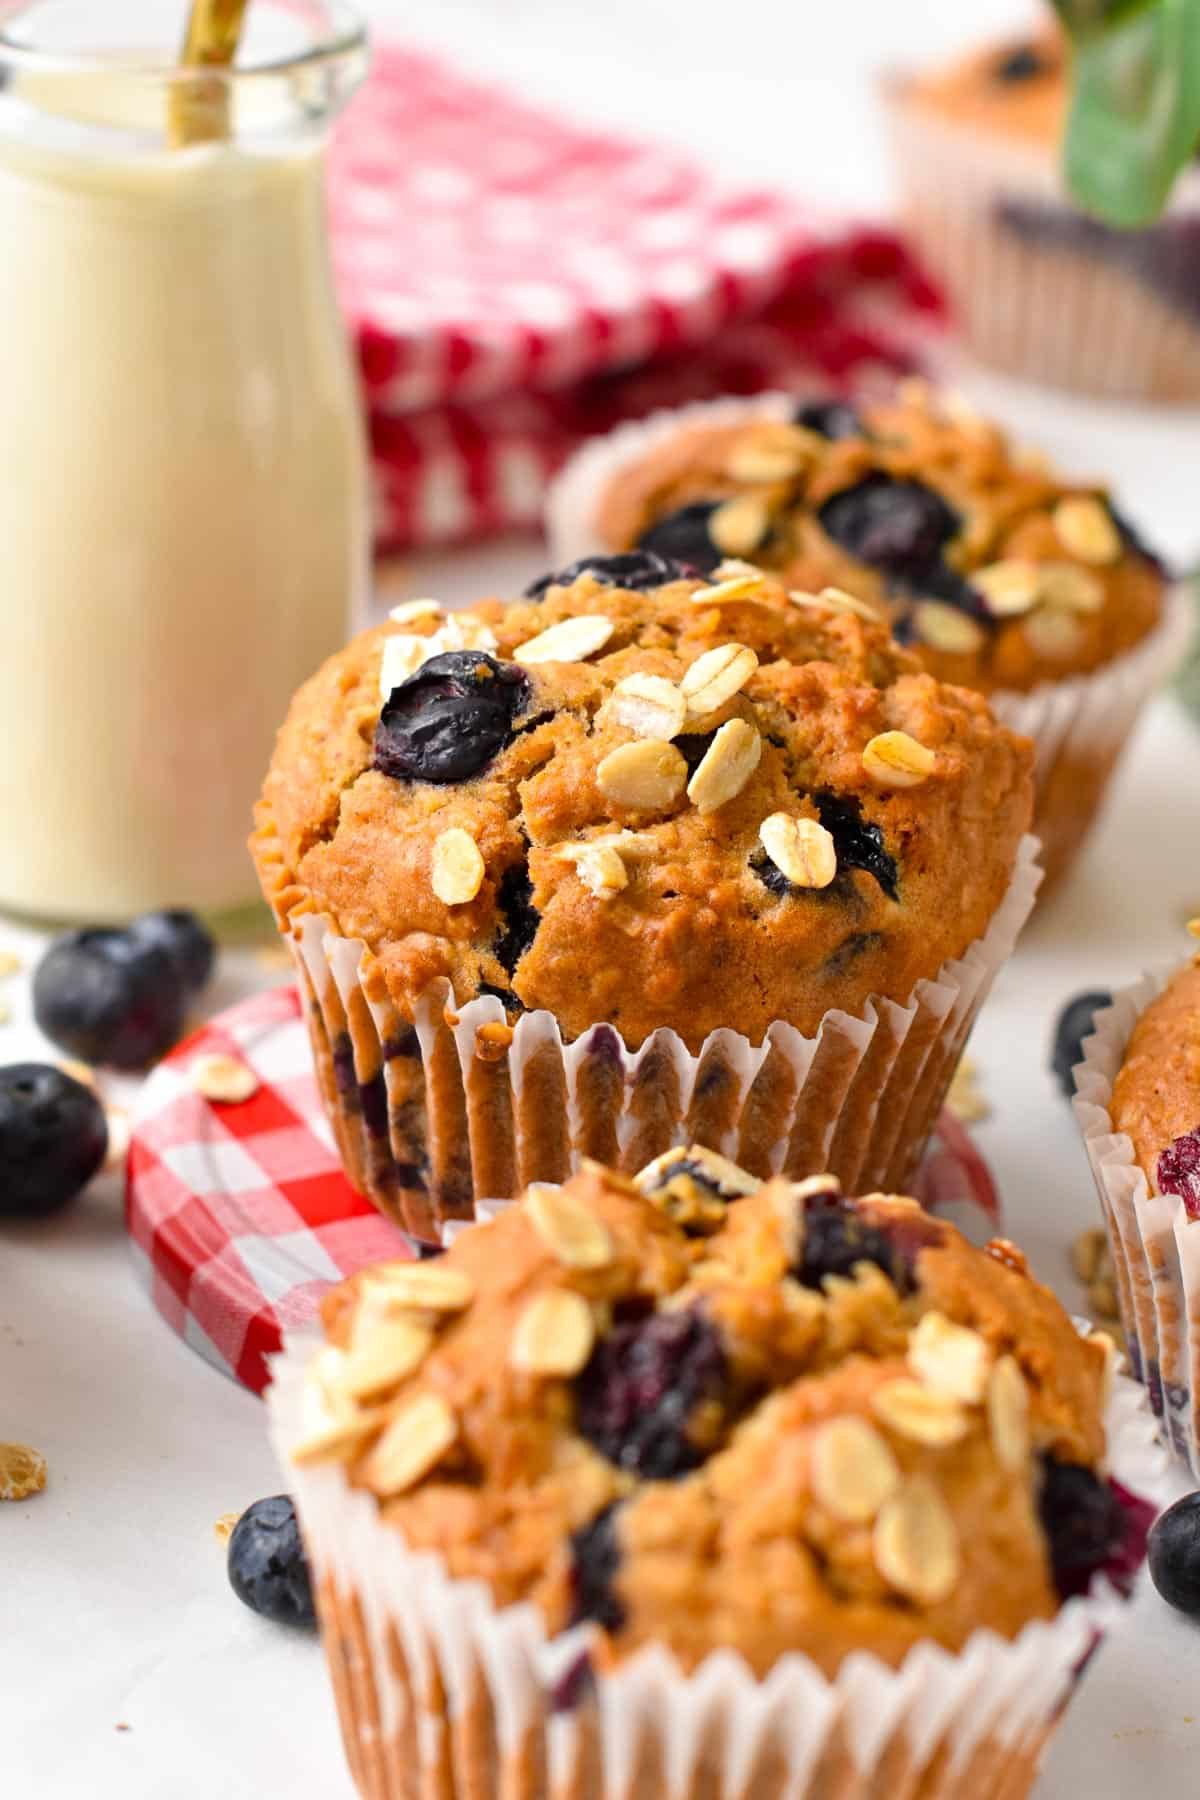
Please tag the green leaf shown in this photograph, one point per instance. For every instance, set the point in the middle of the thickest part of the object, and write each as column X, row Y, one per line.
column 1082, row 17
column 1135, row 115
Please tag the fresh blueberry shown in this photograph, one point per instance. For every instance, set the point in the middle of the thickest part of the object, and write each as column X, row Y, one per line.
column 267, row 1566
column 638, row 571
column 595, row 1559
column 1074, row 1023
column 836, row 1239
column 514, row 900
column 897, row 526
column 188, row 943
column 52, row 1139
column 446, row 722
column 1173, row 1552
column 1083, row 1522
column 1022, row 63
column 640, row 1390
column 831, row 419
column 1179, row 1170
column 108, row 997
column 682, row 537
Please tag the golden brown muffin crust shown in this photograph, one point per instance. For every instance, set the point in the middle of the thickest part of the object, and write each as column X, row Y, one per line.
column 695, row 939
column 971, row 91
column 762, row 1539
column 1156, row 1096
column 1098, row 595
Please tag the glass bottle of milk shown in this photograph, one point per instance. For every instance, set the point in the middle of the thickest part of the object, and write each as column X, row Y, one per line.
column 183, row 513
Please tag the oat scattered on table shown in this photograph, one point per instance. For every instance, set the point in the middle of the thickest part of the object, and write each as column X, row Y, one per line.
column 223, row 1078
column 22, row 1471
column 223, row 1527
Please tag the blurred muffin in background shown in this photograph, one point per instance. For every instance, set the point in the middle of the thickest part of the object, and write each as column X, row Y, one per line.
column 1038, row 288
column 998, row 572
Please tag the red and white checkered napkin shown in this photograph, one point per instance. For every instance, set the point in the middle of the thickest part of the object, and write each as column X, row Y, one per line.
column 516, row 282
column 241, row 1217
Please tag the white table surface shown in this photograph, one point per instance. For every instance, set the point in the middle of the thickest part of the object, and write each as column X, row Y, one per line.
column 127, row 1668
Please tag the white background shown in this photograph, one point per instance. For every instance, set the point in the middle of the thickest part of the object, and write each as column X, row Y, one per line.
column 113, row 1603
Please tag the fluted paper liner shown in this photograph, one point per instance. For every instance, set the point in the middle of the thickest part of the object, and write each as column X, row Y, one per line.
column 1057, row 314
column 442, row 1695
column 1079, row 725
column 429, row 1118
column 1155, row 1245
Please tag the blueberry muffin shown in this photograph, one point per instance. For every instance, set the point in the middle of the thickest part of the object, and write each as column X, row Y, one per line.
column 699, row 1412
column 1156, row 1096
column 639, row 802
column 995, row 571
column 1041, row 289
column 1138, row 1106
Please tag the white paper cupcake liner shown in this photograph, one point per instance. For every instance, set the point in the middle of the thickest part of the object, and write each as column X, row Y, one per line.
column 443, row 1696
column 1061, row 314
column 1155, row 1246
column 432, row 1116
column 1079, row 725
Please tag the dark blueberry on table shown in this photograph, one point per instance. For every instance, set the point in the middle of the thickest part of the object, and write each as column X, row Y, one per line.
column 642, row 1386
column 1179, row 1170
column 1173, row 1552
column 109, row 997
column 830, row 419
column 683, row 537
column 858, row 843
column 446, row 722
column 188, row 943
column 1022, row 63
column 52, row 1139
column 514, row 900
column 636, row 570
column 1083, row 1522
column 595, row 1559
column 267, row 1565
column 894, row 525
column 1074, row 1023
column 836, row 1238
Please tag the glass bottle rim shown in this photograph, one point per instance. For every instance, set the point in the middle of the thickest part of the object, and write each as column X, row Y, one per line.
column 344, row 34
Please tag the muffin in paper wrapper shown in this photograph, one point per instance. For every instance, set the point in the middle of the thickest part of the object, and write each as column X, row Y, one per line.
column 1038, row 289
column 1079, row 725
column 443, row 1696
column 1155, row 1245
column 434, row 1114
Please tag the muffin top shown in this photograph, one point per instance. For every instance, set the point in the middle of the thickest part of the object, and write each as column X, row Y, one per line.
column 643, row 800
column 1017, row 89
column 708, row 1412
column 1156, row 1096
column 997, row 572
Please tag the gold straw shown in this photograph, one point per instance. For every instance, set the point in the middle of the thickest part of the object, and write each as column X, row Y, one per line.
column 198, row 109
